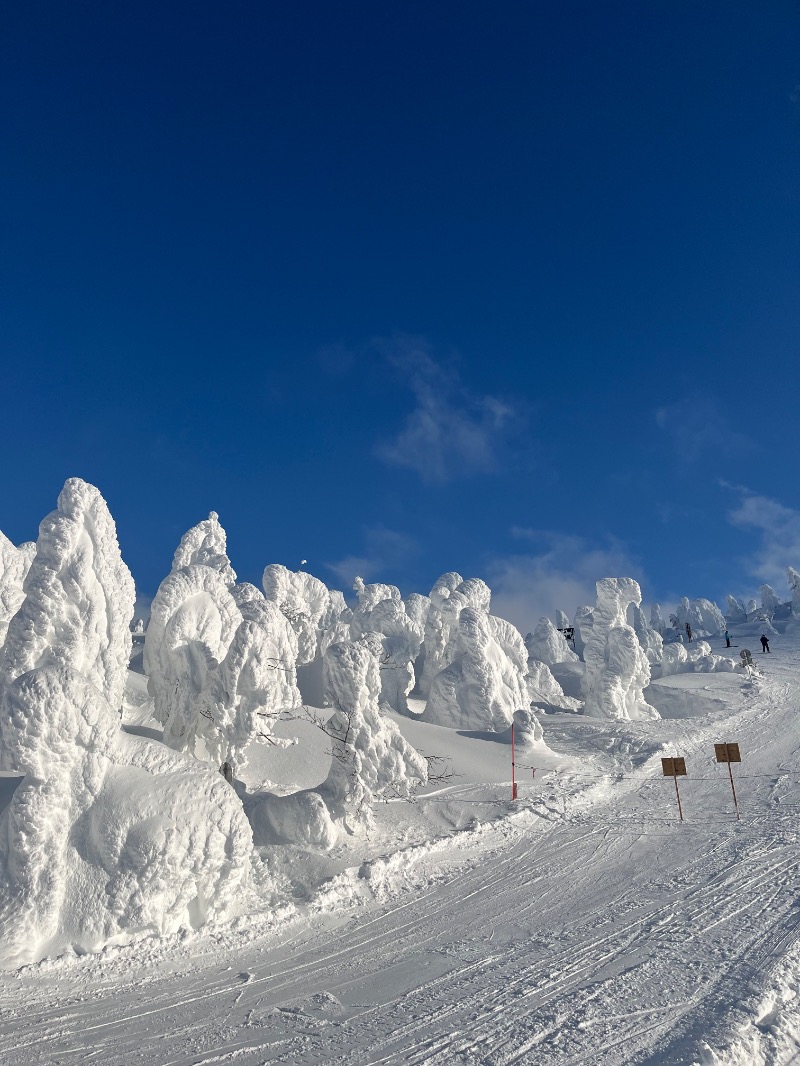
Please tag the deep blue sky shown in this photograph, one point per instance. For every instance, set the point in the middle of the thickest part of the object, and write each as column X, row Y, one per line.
column 503, row 288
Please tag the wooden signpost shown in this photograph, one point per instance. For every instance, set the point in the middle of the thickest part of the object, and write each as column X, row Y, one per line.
column 675, row 768
column 729, row 753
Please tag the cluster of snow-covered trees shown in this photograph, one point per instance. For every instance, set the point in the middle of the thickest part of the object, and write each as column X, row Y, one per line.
column 109, row 834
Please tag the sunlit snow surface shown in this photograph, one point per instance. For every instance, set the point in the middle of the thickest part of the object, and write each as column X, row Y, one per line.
column 583, row 924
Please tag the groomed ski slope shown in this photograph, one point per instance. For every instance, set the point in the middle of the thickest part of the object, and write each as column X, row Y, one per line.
column 583, row 925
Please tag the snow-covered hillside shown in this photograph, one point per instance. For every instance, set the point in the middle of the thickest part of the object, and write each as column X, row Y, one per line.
column 363, row 888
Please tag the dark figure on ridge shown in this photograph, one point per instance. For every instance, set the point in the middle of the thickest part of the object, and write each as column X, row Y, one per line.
column 764, row 643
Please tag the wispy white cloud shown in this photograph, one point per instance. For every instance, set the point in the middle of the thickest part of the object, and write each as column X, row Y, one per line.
column 384, row 549
column 450, row 432
column 696, row 427
column 778, row 527
column 561, row 574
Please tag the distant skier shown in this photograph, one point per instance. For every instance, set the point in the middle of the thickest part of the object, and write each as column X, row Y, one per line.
column 727, row 639
column 688, row 632
column 764, row 643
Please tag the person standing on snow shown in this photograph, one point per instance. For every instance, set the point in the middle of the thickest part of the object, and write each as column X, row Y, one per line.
column 727, row 639
column 764, row 643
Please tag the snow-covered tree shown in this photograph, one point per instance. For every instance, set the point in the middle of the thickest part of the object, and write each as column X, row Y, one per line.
column 399, row 640
column 562, row 620
column 547, row 645
column 737, row 612
column 657, row 619
column 582, row 626
column 107, row 834
column 769, row 601
column 254, row 684
column 437, row 629
column 704, row 617
column 649, row 638
column 79, row 598
column 14, row 566
column 370, row 758
column 193, row 620
column 482, row 686
column 617, row 669
column 304, row 600
column 206, row 545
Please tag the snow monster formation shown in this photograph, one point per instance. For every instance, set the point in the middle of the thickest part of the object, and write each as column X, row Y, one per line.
column 193, row 620
column 79, row 598
column 482, row 686
column 547, row 645
column 14, row 566
column 254, row 684
column 108, row 835
column 769, row 601
column 617, row 669
column 370, row 758
column 582, row 629
column 704, row 617
column 399, row 639
column 437, row 630
column 649, row 638
column 305, row 601
column 206, row 545
column 737, row 612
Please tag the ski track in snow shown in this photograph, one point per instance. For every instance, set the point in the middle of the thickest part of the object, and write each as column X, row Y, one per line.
column 587, row 926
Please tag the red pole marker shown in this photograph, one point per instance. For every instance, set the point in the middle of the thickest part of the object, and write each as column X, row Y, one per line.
column 513, row 779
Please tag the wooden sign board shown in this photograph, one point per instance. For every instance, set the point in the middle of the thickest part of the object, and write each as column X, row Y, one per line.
column 674, row 767
column 727, row 753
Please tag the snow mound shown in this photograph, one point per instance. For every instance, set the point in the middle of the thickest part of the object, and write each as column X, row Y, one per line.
column 370, row 759
column 108, row 835
column 193, row 620
column 79, row 597
column 697, row 658
column 437, row 630
column 617, row 669
column 547, row 645
column 482, row 686
column 543, row 688
column 14, row 566
column 205, row 545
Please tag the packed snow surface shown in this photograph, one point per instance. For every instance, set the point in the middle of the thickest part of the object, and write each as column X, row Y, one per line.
column 584, row 924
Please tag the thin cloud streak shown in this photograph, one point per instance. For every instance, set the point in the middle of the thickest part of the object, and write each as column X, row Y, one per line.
column 778, row 527
column 562, row 575
column 450, row 433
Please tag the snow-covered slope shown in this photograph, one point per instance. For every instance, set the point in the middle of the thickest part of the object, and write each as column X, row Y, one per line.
column 583, row 924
